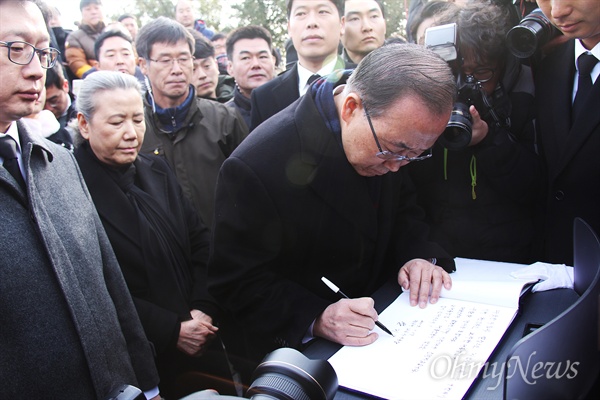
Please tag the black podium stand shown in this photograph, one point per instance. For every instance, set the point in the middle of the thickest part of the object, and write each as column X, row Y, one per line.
column 569, row 322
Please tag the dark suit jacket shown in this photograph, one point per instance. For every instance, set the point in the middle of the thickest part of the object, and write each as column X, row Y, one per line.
column 291, row 209
column 161, row 304
column 571, row 154
column 275, row 95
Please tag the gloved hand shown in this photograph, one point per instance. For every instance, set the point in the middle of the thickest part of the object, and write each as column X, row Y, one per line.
column 552, row 276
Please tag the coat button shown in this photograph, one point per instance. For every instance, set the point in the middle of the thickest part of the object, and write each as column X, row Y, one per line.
column 559, row 195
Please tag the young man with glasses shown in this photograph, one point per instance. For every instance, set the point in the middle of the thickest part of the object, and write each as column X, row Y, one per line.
column 69, row 326
column 310, row 193
column 479, row 195
column 194, row 134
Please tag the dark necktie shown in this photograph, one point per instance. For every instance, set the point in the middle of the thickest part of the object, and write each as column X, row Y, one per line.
column 585, row 64
column 8, row 151
column 312, row 78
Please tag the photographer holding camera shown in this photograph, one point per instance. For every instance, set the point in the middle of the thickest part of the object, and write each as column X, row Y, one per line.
column 479, row 187
column 568, row 121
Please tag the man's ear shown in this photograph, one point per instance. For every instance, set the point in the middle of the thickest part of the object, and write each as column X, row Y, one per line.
column 66, row 86
column 84, row 128
column 229, row 68
column 351, row 107
column 343, row 25
column 142, row 65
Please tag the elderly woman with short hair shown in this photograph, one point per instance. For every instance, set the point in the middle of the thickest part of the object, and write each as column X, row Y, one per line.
column 160, row 242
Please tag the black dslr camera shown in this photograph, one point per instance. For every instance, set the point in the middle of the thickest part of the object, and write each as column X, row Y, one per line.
column 533, row 32
column 284, row 374
column 443, row 40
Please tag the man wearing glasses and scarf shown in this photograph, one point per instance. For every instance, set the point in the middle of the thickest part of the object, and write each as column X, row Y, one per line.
column 316, row 191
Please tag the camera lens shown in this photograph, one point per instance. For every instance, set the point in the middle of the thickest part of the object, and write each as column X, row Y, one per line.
column 286, row 374
column 457, row 134
column 534, row 31
column 523, row 39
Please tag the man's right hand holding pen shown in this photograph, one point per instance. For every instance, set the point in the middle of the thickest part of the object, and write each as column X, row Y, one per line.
column 350, row 322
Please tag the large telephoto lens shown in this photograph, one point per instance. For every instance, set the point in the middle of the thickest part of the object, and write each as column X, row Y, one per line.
column 533, row 32
column 457, row 134
column 286, row 374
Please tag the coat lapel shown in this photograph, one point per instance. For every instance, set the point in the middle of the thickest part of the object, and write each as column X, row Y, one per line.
column 582, row 128
column 335, row 180
column 286, row 91
column 28, row 140
column 153, row 180
column 554, row 102
column 110, row 201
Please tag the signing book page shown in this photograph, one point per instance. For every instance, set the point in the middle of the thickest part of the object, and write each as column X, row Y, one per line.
column 438, row 351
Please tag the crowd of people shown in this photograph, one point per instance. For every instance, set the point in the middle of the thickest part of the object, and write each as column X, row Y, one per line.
column 172, row 196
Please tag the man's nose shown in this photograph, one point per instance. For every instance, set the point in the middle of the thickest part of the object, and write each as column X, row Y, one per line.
column 394, row 165
column 34, row 68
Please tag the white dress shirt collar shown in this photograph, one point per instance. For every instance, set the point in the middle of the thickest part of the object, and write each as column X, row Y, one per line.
column 304, row 74
column 579, row 50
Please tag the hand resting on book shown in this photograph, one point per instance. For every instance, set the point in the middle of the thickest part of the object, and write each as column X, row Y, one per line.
column 424, row 280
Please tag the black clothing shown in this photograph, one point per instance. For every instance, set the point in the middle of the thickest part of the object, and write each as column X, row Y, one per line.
column 162, row 248
column 570, row 152
column 290, row 209
column 242, row 104
column 160, row 243
column 480, row 200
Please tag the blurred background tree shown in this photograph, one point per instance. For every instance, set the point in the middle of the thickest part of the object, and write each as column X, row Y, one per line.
column 269, row 14
column 395, row 16
column 208, row 10
column 150, row 9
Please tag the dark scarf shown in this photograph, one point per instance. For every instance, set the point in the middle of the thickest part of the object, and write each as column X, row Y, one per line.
column 172, row 119
column 163, row 248
column 322, row 92
column 241, row 101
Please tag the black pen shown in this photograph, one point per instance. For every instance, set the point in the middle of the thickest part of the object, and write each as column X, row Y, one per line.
column 338, row 291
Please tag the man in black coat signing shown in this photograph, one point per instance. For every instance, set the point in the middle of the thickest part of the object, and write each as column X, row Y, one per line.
column 308, row 195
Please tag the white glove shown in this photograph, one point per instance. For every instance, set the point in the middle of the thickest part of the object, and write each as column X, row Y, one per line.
column 552, row 276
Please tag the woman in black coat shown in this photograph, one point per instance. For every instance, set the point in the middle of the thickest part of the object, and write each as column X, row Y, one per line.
column 160, row 242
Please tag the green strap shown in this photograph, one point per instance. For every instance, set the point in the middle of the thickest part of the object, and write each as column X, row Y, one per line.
column 445, row 164
column 473, row 170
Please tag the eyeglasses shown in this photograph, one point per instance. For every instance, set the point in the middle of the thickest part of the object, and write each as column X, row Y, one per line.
column 21, row 53
column 389, row 155
column 165, row 63
column 482, row 75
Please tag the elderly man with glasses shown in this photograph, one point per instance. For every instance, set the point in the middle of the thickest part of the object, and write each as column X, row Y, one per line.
column 316, row 191
column 69, row 328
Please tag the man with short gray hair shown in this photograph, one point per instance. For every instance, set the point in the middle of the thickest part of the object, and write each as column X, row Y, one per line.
column 194, row 134
column 309, row 194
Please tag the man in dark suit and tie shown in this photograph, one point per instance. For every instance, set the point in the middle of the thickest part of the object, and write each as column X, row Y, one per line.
column 568, row 117
column 315, row 28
